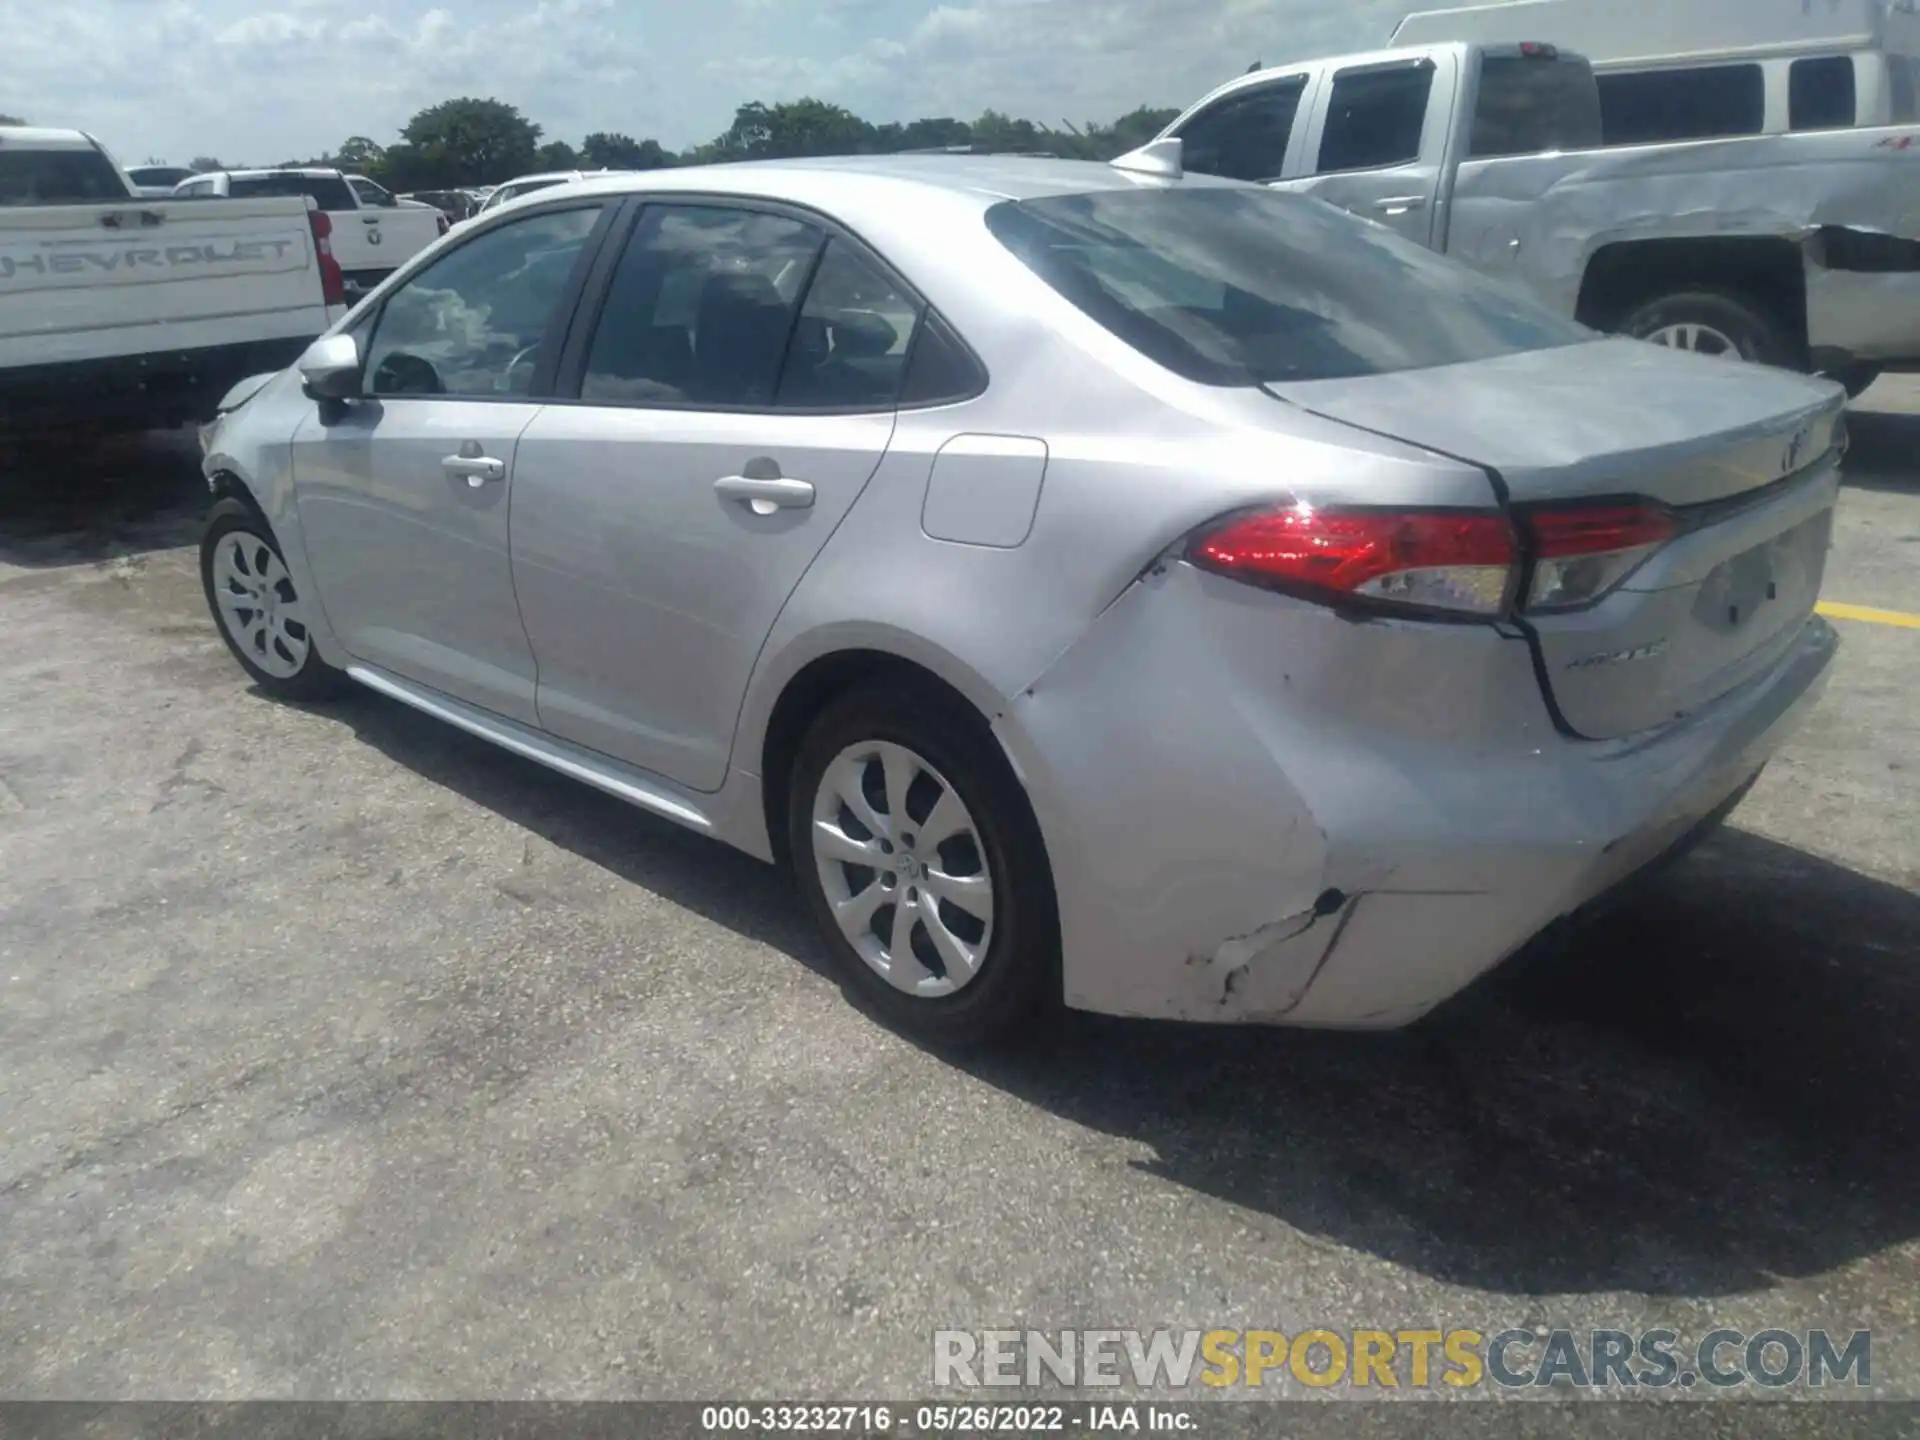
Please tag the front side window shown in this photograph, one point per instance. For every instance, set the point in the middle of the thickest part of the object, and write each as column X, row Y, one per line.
column 372, row 194
column 1648, row 107
column 701, row 308
column 1375, row 117
column 1531, row 105
column 473, row 323
column 1245, row 135
column 1820, row 93
column 1232, row 286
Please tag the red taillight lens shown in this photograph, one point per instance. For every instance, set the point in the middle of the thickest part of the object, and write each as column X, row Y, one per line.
column 333, row 284
column 1455, row 561
column 1583, row 553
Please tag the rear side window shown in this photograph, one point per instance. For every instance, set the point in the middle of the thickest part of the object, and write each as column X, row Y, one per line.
column 701, row 309
column 1650, row 106
column 849, row 347
column 1532, row 106
column 1231, row 286
column 329, row 192
column 1820, row 93
column 1903, row 79
column 58, row 177
column 1245, row 135
column 1375, row 117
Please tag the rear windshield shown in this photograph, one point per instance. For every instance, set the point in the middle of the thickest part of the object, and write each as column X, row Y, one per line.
column 1530, row 105
column 329, row 192
column 1244, row 286
column 58, row 177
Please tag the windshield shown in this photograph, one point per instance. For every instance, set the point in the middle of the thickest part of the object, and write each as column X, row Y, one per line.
column 1244, row 286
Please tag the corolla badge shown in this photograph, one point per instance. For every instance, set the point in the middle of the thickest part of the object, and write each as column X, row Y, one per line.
column 1620, row 657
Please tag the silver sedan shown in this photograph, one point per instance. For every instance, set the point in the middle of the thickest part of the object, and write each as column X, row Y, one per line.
column 1150, row 593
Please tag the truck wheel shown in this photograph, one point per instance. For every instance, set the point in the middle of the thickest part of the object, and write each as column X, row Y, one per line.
column 1714, row 322
column 257, row 610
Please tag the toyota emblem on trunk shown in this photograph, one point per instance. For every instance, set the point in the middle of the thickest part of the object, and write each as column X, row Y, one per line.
column 1796, row 449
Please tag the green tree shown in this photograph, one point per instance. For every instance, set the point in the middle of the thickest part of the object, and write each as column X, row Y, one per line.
column 11, row 120
column 556, row 155
column 469, row 142
column 795, row 127
column 360, row 154
column 994, row 131
column 201, row 164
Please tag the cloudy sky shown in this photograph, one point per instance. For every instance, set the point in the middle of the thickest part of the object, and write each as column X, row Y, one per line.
column 259, row 81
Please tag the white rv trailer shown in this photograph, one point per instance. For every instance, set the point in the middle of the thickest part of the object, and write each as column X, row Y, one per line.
column 1697, row 69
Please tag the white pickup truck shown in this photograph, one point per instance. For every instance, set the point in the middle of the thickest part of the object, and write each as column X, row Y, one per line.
column 371, row 240
column 118, row 312
column 1800, row 250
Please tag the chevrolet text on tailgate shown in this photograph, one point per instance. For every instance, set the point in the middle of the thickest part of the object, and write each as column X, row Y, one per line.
column 118, row 311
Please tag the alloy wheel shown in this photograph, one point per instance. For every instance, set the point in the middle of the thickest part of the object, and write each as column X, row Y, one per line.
column 258, row 605
column 1700, row 339
column 902, row 865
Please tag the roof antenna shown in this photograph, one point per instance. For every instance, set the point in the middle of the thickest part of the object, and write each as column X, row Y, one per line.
column 1156, row 157
column 1253, row 67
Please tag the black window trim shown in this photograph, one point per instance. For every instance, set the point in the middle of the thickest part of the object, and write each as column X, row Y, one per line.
column 589, row 308
column 559, row 324
column 1333, row 77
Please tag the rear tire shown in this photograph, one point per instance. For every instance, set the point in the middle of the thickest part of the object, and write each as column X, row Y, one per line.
column 257, row 609
column 979, row 893
column 1721, row 323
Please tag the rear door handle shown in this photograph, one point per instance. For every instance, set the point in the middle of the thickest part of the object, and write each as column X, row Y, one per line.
column 478, row 469
column 764, row 497
column 369, row 219
column 1401, row 204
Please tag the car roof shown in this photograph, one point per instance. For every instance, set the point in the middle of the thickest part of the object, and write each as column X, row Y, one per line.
column 38, row 137
column 306, row 172
column 826, row 179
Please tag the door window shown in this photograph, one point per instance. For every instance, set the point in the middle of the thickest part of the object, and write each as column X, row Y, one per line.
column 849, row 349
column 1647, row 107
column 1820, row 93
column 372, row 194
column 1376, row 117
column 1532, row 105
column 1244, row 136
column 473, row 322
column 701, row 309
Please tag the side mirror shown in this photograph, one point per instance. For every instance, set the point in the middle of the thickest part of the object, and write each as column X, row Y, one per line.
column 330, row 369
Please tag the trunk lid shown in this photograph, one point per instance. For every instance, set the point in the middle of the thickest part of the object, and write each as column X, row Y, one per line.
column 1745, row 457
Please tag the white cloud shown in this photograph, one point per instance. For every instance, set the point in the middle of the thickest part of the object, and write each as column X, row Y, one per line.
column 262, row 82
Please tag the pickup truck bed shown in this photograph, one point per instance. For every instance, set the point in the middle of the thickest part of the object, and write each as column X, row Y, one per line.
column 143, row 313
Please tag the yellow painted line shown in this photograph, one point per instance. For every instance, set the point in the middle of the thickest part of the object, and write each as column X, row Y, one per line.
column 1869, row 615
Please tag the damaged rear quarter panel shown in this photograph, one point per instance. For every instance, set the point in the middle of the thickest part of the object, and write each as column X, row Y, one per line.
column 1225, row 776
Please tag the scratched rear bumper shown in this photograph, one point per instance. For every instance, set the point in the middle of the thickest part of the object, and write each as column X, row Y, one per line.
column 1259, row 812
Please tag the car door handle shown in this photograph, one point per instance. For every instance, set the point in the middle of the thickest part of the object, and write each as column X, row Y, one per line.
column 369, row 219
column 764, row 497
column 1401, row 204
column 478, row 469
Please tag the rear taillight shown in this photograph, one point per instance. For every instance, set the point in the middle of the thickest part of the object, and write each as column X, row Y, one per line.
column 333, row 284
column 1534, row 50
column 1583, row 553
column 1439, row 561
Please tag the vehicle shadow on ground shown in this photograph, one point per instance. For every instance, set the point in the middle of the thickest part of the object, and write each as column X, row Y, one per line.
column 1714, row 1089
column 1881, row 450
column 91, row 501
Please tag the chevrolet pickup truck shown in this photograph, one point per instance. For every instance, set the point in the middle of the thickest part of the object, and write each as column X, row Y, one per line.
column 119, row 312
column 373, row 234
column 1800, row 250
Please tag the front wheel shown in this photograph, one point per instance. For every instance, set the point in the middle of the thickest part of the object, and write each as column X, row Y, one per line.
column 259, row 613
column 920, row 858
